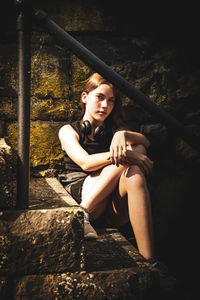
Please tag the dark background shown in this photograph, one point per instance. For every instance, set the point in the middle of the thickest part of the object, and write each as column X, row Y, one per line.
column 165, row 23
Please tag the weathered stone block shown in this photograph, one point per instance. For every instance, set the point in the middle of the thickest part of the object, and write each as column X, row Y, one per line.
column 40, row 241
column 112, row 269
column 47, row 192
column 44, row 143
column 80, row 72
column 74, row 16
column 53, row 109
column 49, row 69
column 7, row 176
column 188, row 155
column 8, row 108
column 118, row 284
column 2, row 126
column 45, row 146
column 5, row 291
column 8, row 70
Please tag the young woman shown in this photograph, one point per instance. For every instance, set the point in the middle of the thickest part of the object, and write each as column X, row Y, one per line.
column 106, row 165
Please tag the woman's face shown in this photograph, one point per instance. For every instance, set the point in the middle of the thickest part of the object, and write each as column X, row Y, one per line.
column 99, row 103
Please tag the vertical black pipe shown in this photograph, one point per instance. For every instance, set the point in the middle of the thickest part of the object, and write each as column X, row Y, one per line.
column 23, row 26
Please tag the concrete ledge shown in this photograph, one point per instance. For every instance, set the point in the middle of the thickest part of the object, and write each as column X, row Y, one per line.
column 40, row 241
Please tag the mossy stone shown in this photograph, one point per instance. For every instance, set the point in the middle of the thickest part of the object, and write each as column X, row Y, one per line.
column 2, row 126
column 49, row 74
column 74, row 16
column 45, row 149
column 8, row 108
column 8, row 186
column 53, row 109
column 80, row 72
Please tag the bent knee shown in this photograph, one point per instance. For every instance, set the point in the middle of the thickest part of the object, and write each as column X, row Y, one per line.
column 140, row 148
column 134, row 175
column 132, row 170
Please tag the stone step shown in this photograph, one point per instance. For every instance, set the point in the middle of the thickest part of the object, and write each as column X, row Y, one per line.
column 112, row 269
column 47, row 238
column 40, row 241
column 44, row 256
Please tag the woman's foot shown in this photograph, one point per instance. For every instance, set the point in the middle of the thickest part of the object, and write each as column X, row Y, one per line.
column 89, row 231
column 159, row 266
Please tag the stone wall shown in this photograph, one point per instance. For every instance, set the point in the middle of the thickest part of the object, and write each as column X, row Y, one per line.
column 8, row 176
column 162, row 70
column 152, row 50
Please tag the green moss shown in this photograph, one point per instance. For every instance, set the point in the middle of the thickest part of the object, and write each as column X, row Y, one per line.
column 8, row 71
column 8, row 108
column 48, row 78
column 53, row 109
column 12, row 135
column 45, row 146
column 80, row 72
column 75, row 16
column 44, row 143
column 53, row 83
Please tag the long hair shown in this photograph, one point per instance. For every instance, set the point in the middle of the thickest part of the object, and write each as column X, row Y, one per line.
column 116, row 119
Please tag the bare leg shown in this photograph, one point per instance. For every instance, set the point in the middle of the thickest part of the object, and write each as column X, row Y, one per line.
column 98, row 186
column 133, row 184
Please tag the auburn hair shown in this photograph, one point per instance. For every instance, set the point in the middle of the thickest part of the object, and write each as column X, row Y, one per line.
column 116, row 119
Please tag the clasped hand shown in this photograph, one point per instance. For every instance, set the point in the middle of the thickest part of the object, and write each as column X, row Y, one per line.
column 121, row 153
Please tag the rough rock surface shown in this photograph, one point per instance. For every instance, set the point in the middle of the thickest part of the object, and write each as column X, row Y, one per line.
column 43, row 255
column 112, row 269
column 40, row 241
column 7, row 176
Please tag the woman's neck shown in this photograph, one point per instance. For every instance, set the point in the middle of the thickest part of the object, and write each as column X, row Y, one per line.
column 94, row 123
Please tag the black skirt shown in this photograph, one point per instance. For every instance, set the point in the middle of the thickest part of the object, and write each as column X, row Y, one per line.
column 73, row 182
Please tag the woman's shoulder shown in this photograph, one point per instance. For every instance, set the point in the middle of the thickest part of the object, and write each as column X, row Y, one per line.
column 70, row 127
column 76, row 125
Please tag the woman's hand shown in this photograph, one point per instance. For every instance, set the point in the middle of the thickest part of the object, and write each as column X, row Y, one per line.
column 120, row 153
column 140, row 159
column 118, row 147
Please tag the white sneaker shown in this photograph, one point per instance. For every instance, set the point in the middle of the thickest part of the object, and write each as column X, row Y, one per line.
column 89, row 231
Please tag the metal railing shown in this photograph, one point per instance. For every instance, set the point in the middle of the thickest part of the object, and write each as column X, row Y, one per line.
column 24, row 31
column 97, row 65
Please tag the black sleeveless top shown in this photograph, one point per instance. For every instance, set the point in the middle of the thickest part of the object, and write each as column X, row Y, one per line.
column 91, row 146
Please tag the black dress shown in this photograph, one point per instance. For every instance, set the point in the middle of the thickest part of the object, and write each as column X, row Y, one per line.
column 74, row 176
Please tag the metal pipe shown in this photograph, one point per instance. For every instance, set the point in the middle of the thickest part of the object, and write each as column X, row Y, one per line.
column 23, row 170
column 99, row 66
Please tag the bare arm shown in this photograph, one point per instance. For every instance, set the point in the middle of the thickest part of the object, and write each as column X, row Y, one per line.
column 122, row 138
column 134, row 137
column 70, row 143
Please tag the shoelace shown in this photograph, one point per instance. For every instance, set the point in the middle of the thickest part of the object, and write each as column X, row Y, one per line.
column 85, row 217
